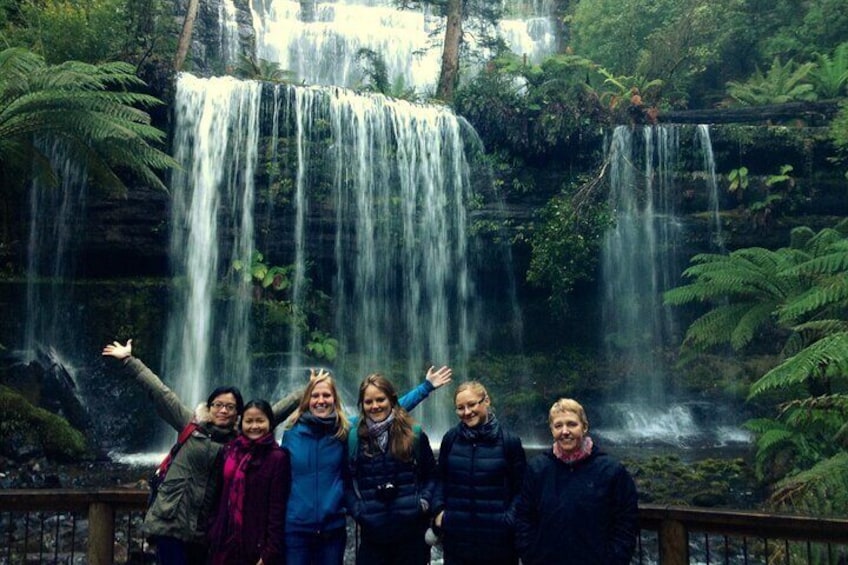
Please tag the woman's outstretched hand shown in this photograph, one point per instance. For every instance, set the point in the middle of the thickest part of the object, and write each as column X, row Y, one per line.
column 318, row 373
column 118, row 351
column 439, row 377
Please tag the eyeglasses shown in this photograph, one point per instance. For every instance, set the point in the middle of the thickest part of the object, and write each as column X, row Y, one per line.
column 224, row 405
column 470, row 406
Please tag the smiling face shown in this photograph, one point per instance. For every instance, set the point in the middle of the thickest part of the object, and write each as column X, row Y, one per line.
column 322, row 402
column 472, row 407
column 567, row 430
column 224, row 410
column 376, row 404
column 254, row 423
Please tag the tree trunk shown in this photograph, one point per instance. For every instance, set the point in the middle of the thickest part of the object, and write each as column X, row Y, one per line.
column 450, row 55
column 185, row 35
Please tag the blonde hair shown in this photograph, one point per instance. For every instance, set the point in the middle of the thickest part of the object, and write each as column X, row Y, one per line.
column 401, row 436
column 568, row 405
column 303, row 407
column 476, row 387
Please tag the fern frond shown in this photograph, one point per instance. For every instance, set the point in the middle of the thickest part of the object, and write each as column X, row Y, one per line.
column 829, row 353
column 750, row 323
column 827, row 294
column 821, row 490
column 715, row 327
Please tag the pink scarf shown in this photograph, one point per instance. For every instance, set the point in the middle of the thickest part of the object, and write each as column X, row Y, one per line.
column 578, row 454
column 237, row 457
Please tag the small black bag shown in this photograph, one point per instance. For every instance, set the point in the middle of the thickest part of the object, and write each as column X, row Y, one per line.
column 157, row 477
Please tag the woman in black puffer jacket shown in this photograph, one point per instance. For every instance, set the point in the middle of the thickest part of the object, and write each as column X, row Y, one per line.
column 392, row 477
column 481, row 467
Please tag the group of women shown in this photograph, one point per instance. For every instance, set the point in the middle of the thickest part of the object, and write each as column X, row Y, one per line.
column 232, row 496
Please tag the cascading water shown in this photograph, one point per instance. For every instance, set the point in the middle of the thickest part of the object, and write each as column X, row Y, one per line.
column 402, row 293
column 702, row 141
column 215, row 142
column 229, row 33
column 319, row 41
column 54, row 213
column 638, row 264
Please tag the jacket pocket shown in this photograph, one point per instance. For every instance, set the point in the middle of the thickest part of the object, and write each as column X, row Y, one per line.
column 167, row 503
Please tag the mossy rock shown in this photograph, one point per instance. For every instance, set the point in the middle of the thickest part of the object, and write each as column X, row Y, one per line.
column 31, row 431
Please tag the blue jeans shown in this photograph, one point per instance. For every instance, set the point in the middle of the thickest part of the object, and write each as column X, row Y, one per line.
column 325, row 548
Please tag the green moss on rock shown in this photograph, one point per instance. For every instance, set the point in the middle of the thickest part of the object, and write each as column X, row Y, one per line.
column 27, row 430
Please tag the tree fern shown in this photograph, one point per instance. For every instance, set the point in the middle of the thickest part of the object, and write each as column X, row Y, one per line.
column 830, row 75
column 774, row 439
column 93, row 109
column 821, row 490
column 826, row 357
column 780, row 84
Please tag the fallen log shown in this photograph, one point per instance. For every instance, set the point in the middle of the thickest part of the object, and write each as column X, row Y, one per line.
column 813, row 113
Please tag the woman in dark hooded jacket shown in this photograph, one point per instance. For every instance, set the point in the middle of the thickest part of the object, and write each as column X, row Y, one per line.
column 578, row 505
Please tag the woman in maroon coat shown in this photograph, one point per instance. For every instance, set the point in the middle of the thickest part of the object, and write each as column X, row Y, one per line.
column 248, row 523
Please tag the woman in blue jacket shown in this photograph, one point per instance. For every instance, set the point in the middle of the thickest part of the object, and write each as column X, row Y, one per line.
column 392, row 478
column 481, row 467
column 315, row 437
column 578, row 506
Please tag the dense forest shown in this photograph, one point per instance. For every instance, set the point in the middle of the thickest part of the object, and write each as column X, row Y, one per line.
column 98, row 74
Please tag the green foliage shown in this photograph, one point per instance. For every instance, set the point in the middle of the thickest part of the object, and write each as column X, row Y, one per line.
column 565, row 245
column 625, row 87
column 743, row 289
column 781, row 177
column 738, row 180
column 275, row 312
column 90, row 31
column 782, row 83
column 90, row 108
column 838, row 133
column 802, row 292
column 250, row 68
column 323, row 346
column 265, row 277
column 821, row 490
column 22, row 422
column 377, row 76
column 532, row 110
column 93, row 31
column 690, row 46
column 830, row 75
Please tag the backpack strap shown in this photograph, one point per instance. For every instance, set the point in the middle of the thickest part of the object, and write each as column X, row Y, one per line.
column 447, row 443
column 162, row 469
column 416, row 444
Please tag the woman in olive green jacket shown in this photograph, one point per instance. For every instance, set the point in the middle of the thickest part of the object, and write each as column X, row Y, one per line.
column 179, row 516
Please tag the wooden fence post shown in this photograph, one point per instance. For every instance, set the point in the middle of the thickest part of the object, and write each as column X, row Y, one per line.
column 101, row 533
column 674, row 543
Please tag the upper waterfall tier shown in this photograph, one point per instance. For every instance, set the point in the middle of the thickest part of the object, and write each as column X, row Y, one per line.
column 319, row 41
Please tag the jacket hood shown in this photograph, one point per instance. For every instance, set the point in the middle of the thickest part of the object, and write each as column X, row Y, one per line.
column 202, row 414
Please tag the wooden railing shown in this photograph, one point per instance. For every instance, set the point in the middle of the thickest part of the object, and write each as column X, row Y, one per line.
column 792, row 538
column 676, row 529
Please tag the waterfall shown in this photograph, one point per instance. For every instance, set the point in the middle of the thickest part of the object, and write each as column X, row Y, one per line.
column 402, row 290
column 702, row 139
column 229, row 33
column 319, row 41
column 55, row 212
column 639, row 262
column 215, row 142
column 638, row 258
